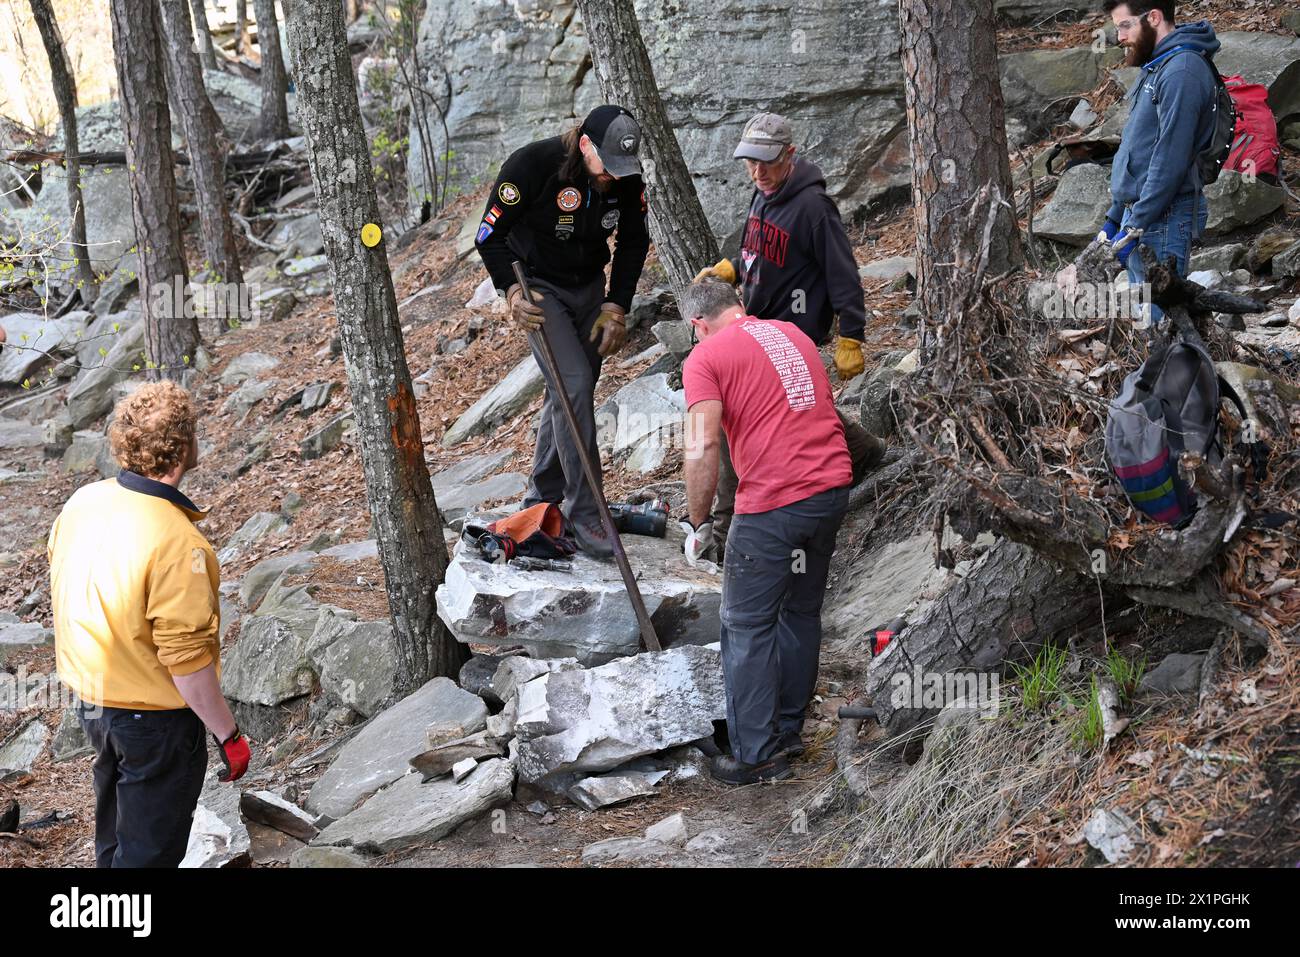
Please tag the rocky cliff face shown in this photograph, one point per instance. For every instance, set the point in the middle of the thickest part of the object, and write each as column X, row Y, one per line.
column 520, row 70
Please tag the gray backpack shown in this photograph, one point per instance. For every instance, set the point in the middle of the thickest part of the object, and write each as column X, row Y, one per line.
column 1168, row 406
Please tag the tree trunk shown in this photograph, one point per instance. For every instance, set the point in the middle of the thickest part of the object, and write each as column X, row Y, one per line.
column 206, row 150
column 1010, row 603
column 407, row 520
column 241, row 21
column 170, row 338
column 958, row 138
column 65, row 94
column 203, row 36
column 274, row 122
column 681, row 232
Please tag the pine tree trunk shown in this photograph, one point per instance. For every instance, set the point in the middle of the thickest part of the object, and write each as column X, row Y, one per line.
column 407, row 520
column 203, row 36
column 241, row 21
column 274, row 122
column 206, row 150
column 170, row 338
column 958, row 138
column 65, row 94
column 1010, row 603
column 682, row 236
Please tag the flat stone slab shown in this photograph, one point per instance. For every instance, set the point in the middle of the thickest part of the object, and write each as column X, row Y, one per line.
column 603, row 790
column 503, row 401
column 248, row 365
column 381, row 751
column 218, row 837
column 584, row 613
column 458, row 501
column 890, row 268
column 20, row 435
column 471, row 470
column 24, row 747
column 601, row 718
column 325, row 857
column 411, row 812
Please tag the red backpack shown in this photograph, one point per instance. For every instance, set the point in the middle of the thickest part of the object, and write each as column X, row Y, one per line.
column 1254, row 141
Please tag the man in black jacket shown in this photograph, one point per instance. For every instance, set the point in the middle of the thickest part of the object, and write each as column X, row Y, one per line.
column 553, row 207
column 795, row 265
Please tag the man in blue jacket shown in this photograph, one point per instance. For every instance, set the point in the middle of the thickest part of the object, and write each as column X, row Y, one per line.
column 1154, row 184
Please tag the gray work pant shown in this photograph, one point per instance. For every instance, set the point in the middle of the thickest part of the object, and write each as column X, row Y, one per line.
column 557, row 469
column 773, row 582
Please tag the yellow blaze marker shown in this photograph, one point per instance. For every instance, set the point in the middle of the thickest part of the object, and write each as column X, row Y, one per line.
column 371, row 234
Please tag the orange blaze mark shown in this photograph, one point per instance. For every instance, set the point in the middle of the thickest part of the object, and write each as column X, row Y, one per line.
column 406, row 426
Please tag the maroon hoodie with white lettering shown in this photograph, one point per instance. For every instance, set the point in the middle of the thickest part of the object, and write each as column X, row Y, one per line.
column 795, row 262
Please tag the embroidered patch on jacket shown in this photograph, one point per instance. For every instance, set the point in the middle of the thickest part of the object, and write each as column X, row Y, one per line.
column 484, row 232
column 509, row 193
column 610, row 219
column 568, row 199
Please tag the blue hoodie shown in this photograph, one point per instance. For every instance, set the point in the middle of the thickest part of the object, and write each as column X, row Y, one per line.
column 1169, row 123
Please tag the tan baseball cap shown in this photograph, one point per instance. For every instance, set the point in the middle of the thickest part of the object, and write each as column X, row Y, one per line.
column 764, row 137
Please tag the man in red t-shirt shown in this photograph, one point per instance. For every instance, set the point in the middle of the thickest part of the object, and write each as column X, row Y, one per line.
column 762, row 383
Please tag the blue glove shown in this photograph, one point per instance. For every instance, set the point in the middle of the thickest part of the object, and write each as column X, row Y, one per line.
column 1122, row 253
column 1109, row 230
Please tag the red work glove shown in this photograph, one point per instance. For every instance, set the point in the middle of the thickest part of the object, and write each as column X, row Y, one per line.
column 234, row 755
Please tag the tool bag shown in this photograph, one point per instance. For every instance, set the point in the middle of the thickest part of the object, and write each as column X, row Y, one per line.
column 538, row 531
column 1168, row 406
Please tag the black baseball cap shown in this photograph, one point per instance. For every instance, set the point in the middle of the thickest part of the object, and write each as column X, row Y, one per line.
column 616, row 137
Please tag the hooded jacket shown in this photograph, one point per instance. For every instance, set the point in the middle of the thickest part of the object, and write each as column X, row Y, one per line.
column 795, row 262
column 1169, row 122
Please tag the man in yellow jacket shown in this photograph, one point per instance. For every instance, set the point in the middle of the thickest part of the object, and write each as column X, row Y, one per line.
column 137, row 624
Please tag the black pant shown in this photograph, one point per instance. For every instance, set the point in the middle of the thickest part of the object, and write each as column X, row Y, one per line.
column 149, row 769
column 557, row 468
column 773, row 584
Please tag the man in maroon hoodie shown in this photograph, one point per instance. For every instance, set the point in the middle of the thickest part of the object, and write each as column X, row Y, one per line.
column 795, row 265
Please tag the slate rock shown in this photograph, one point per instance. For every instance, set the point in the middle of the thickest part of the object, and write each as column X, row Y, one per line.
column 601, row 718
column 412, row 812
column 381, row 751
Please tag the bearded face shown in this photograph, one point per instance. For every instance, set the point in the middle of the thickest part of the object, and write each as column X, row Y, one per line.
column 1140, row 44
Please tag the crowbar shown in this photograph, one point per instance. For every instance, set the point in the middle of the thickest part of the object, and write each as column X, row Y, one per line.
column 540, row 339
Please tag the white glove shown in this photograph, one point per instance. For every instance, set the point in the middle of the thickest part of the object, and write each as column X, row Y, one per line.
column 698, row 540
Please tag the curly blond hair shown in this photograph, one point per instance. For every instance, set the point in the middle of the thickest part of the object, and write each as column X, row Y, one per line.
column 153, row 429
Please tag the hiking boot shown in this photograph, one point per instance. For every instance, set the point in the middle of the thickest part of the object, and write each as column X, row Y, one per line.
column 727, row 769
column 593, row 539
column 790, row 745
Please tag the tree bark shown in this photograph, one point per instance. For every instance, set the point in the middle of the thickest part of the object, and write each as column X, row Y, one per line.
column 170, row 338
column 274, row 121
column 241, row 21
column 682, row 235
column 206, row 151
column 407, row 520
column 65, row 94
column 203, row 36
column 958, row 138
column 1011, row 603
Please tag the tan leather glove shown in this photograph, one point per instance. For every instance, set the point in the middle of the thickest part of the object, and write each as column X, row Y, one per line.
column 723, row 270
column 848, row 359
column 610, row 329
column 527, row 315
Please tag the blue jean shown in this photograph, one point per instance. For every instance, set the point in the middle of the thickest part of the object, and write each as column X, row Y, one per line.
column 773, row 583
column 1170, row 235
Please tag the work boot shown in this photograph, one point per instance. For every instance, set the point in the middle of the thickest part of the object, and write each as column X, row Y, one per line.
column 729, row 770
column 593, row 539
column 790, row 745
